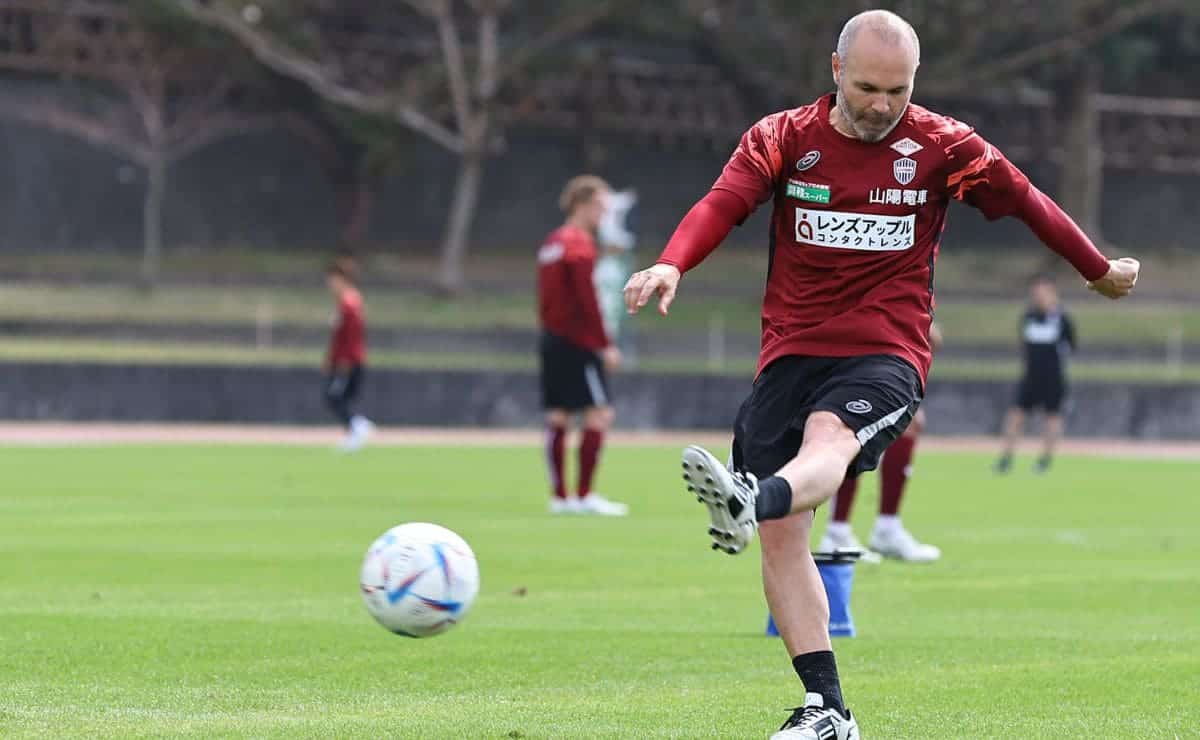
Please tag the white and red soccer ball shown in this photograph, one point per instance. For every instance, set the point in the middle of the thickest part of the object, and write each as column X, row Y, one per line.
column 419, row 579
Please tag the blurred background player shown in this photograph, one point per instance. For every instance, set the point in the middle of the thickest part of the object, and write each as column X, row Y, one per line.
column 889, row 538
column 576, row 351
column 616, row 239
column 344, row 363
column 1047, row 337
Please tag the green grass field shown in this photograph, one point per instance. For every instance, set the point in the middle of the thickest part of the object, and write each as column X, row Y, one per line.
column 211, row 592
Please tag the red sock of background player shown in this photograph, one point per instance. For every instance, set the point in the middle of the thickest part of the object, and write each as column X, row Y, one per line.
column 893, row 473
column 589, row 455
column 843, row 504
column 556, row 454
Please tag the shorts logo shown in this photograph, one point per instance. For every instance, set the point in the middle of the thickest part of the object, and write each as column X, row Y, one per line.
column 808, row 160
column 905, row 169
column 859, row 407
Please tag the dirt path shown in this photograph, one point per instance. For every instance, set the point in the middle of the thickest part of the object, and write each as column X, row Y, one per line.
column 54, row 434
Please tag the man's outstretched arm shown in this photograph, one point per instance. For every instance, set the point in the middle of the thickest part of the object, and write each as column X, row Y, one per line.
column 979, row 175
column 700, row 232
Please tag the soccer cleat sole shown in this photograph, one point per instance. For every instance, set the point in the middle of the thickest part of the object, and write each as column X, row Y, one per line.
column 699, row 471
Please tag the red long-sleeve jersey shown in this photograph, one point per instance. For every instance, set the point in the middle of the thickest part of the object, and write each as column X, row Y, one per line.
column 567, row 303
column 856, row 226
column 348, row 345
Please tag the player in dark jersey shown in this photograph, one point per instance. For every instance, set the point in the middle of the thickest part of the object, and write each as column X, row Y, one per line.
column 860, row 181
column 1047, row 339
column 576, row 352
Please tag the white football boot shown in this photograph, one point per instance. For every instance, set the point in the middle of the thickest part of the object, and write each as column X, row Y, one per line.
column 594, row 503
column 728, row 496
column 897, row 543
column 814, row 721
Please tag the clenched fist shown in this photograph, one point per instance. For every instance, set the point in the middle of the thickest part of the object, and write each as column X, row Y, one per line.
column 1122, row 275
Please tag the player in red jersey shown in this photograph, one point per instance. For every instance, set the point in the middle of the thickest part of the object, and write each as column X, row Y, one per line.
column 860, row 181
column 576, row 353
column 345, row 363
column 889, row 538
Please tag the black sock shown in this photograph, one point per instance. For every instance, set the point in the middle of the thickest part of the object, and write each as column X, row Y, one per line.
column 774, row 498
column 818, row 673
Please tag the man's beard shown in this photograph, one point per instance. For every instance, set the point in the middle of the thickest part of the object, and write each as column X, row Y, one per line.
column 848, row 116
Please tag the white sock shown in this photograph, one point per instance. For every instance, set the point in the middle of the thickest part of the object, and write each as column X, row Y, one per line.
column 886, row 524
column 838, row 530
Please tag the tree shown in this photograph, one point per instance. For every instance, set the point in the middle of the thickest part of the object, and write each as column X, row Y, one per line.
column 367, row 57
column 146, row 95
column 357, row 151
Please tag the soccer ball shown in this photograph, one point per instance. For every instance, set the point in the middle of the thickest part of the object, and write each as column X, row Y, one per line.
column 419, row 579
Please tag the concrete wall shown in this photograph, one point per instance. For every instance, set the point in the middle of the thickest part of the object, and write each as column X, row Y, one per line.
column 92, row 392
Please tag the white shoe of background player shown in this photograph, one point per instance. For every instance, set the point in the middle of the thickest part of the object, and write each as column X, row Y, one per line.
column 842, row 538
column 361, row 429
column 894, row 541
column 569, row 505
column 594, row 503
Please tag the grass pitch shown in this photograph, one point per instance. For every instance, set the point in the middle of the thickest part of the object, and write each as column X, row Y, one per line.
column 211, row 592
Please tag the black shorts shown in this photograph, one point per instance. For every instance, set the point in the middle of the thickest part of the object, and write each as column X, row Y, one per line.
column 875, row 395
column 1035, row 392
column 573, row 377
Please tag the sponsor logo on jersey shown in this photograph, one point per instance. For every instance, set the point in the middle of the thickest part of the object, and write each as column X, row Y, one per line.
column 809, row 191
column 897, row 197
column 905, row 169
column 808, row 160
column 863, row 231
column 861, row 406
column 907, row 147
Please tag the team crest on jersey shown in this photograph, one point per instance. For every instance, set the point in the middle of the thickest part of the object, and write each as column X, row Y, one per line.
column 905, row 169
column 907, row 146
column 808, row 160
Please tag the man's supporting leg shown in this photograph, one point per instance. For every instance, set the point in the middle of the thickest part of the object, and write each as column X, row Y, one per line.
column 556, row 440
column 1014, row 422
column 793, row 586
column 799, row 606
